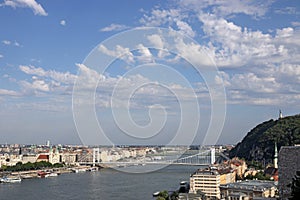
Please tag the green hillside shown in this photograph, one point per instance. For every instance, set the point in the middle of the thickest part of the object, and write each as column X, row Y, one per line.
column 258, row 144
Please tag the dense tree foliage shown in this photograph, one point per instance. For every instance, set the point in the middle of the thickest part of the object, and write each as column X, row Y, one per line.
column 258, row 144
column 258, row 176
column 31, row 166
column 163, row 195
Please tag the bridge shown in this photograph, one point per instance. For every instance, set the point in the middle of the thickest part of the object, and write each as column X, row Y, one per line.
column 205, row 157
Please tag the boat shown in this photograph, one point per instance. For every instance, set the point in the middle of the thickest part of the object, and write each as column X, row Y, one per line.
column 43, row 174
column 10, row 180
column 79, row 170
column 93, row 169
column 155, row 194
column 52, row 174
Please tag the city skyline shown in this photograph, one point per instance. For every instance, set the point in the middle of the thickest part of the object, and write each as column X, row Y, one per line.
column 45, row 48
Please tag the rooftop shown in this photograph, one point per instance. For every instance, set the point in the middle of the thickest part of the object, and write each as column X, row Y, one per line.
column 256, row 185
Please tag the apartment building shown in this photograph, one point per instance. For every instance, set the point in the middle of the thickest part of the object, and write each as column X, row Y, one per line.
column 208, row 181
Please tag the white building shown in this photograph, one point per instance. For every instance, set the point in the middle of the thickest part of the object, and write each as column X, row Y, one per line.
column 208, row 181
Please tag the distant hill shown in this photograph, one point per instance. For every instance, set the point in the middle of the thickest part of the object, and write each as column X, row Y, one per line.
column 258, row 144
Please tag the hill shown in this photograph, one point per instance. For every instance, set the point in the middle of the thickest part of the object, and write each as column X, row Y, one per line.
column 258, row 144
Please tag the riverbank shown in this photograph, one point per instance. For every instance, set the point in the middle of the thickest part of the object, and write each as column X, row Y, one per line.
column 37, row 173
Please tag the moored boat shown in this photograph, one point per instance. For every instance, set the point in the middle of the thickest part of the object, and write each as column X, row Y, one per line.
column 52, row 174
column 78, row 170
column 43, row 174
column 10, row 180
column 93, row 169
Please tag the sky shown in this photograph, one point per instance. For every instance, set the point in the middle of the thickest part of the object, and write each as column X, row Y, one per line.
column 146, row 72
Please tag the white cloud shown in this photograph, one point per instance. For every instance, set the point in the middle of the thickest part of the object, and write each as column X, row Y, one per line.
column 224, row 8
column 114, row 27
column 267, row 85
column 5, row 92
column 6, row 42
column 32, row 4
column 161, row 17
column 156, row 40
column 145, row 54
column 140, row 90
column 1, row 56
column 194, row 53
column 268, row 63
column 119, row 52
column 63, row 22
column 287, row 11
column 62, row 77
column 35, row 86
column 237, row 46
column 185, row 28
column 88, row 78
column 17, row 44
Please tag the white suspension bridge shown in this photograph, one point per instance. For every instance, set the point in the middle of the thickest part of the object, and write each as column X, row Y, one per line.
column 202, row 157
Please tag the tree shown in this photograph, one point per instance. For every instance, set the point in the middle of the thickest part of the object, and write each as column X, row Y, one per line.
column 174, row 195
column 163, row 195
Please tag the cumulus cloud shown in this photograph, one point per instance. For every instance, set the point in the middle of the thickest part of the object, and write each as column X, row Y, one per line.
column 271, row 85
column 62, row 77
column 114, row 27
column 156, row 40
column 119, row 52
column 32, row 4
column 237, row 46
column 144, row 54
column 63, row 22
column 185, row 28
column 36, row 86
column 267, row 64
column 140, row 90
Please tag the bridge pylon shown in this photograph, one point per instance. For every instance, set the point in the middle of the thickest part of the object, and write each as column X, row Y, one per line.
column 212, row 155
column 96, row 156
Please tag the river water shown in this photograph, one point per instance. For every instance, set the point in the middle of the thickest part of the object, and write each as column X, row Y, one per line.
column 106, row 184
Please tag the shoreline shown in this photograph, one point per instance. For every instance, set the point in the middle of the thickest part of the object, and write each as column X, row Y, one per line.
column 31, row 174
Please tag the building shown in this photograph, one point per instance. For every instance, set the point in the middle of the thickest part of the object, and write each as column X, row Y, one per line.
column 208, row 181
column 248, row 190
column 68, row 158
column 238, row 165
column 42, row 157
column 272, row 171
column 288, row 165
column 29, row 158
column 54, row 155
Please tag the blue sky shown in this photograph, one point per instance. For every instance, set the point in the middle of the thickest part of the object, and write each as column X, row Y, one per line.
column 45, row 48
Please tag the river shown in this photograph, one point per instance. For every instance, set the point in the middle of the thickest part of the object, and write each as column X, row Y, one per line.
column 106, row 184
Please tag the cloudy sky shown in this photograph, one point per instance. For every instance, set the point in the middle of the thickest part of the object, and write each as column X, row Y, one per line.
column 170, row 79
